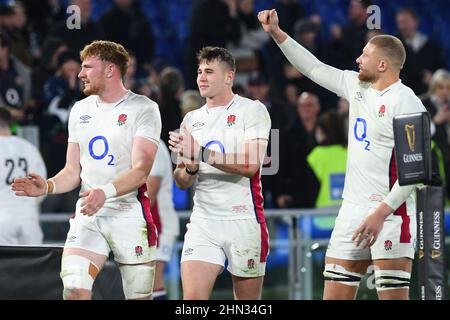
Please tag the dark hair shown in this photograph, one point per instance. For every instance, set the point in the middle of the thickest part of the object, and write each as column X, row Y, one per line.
column 107, row 51
column 5, row 118
column 365, row 3
column 409, row 10
column 209, row 54
column 333, row 127
column 171, row 82
column 5, row 40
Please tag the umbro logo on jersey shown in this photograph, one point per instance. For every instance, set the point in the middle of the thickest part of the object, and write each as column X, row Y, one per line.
column 358, row 96
column 198, row 124
column 85, row 118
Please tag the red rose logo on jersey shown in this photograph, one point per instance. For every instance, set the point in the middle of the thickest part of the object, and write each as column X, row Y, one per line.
column 381, row 111
column 231, row 120
column 122, row 119
column 250, row 263
column 388, row 245
column 138, row 250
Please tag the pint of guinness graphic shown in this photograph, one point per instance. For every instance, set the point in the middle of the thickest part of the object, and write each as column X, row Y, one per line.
column 431, row 243
column 413, row 148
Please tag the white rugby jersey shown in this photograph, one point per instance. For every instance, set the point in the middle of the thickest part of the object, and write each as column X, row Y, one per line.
column 164, row 214
column 371, row 167
column 105, row 133
column 18, row 157
column 226, row 129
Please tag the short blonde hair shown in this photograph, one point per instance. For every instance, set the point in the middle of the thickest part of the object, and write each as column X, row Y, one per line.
column 392, row 48
column 107, row 51
column 190, row 100
column 440, row 77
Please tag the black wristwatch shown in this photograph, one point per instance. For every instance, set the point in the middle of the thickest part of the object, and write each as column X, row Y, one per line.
column 191, row 173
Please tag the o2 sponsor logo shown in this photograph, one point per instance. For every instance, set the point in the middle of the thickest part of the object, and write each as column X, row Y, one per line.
column 360, row 132
column 96, row 155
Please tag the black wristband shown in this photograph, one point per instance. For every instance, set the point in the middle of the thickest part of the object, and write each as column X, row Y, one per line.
column 204, row 154
column 191, row 173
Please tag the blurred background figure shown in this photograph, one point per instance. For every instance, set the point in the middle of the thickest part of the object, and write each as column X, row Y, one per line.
column 125, row 23
column 212, row 23
column 160, row 193
column 190, row 100
column 423, row 56
column 61, row 91
column 88, row 31
column 298, row 184
column 15, row 81
column 19, row 217
column 171, row 89
column 328, row 161
column 437, row 102
column 247, row 51
column 347, row 40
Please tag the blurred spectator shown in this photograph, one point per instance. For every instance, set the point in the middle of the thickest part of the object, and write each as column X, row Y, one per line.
column 171, row 87
column 329, row 159
column 42, row 15
column 280, row 115
column 423, row 56
column 15, row 26
column 89, row 31
column 437, row 103
column 213, row 23
column 125, row 23
column 46, row 68
column 61, row 92
column 347, row 41
column 306, row 32
column 129, row 80
column 258, row 89
column 294, row 83
column 253, row 38
column 343, row 108
column 289, row 12
column 190, row 100
column 298, row 184
column 15, row 81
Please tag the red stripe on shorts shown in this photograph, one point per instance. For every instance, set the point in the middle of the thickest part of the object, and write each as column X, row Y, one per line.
column 152, row 234
column 264, row 242
column 258, row 204
column 405, row 235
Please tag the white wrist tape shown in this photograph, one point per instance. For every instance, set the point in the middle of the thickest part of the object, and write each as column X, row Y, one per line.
column 109, row 190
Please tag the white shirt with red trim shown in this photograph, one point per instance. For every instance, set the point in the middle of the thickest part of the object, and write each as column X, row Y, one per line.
column 226, row 129
column 371, row 173
column 371, row 168
column 18, row 157
column 105, row 133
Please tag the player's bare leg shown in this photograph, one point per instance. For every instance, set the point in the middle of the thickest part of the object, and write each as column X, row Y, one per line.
column 247, row 288
column 160, row 286
column 343, row 271
column 198, row 278
column 392, row 278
